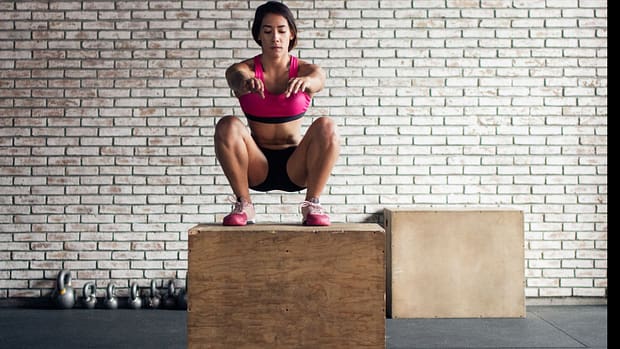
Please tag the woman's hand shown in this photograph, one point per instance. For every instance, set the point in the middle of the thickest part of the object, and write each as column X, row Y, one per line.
column 295, row 85
column 254, row 85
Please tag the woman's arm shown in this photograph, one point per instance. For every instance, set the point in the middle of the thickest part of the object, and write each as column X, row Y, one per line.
column 310, row 78
column 241, row 80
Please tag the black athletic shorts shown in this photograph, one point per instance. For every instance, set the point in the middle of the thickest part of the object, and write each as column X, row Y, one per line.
column 277, row 177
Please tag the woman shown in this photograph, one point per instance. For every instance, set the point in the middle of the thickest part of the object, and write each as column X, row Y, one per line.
column 274, row 90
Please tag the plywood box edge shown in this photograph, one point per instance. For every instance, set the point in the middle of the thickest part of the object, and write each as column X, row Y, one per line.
column 288, row 227
column 450, row 209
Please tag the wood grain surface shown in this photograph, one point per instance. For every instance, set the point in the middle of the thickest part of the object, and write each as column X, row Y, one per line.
column 277, row 286
column 455, row 263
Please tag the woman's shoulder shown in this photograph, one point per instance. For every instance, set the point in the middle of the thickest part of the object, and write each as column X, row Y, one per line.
column 307, row 67
column 247, row 64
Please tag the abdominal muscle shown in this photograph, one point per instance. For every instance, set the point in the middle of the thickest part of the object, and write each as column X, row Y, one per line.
column 276, row 136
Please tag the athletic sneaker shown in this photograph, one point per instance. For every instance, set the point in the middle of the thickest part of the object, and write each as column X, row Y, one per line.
column 243, row 213
column 313, row 214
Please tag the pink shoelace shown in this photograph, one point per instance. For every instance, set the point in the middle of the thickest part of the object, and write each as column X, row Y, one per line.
column 238, row 205
column 315, row 208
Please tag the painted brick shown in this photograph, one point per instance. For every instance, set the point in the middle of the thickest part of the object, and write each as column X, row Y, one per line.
column 107, row 111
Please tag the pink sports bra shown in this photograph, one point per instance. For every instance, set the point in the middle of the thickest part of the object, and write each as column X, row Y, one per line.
column 274, row 109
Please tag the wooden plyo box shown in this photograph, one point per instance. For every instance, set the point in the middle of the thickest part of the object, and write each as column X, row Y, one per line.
column 286, row 286
column 455, row 264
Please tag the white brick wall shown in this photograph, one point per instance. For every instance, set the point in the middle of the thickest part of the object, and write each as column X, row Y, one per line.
column 107, row 111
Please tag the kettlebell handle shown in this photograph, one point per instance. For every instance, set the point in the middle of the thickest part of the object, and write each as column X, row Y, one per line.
column 110, row 290
column 88, row 290
column 153, row 288
column 171, row 287
column 134, row 291
column 64, row 279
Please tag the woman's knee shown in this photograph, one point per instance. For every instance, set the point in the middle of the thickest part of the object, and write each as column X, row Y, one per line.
column 327, row 129
column 228, row 127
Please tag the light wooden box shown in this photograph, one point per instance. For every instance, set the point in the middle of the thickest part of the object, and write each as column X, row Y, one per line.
column 286, row 286
column 455, row 263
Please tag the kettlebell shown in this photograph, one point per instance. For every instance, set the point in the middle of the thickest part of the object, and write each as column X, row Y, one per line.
column 63, row 295
column 169, row 300
column 89, row 295
column 110, row 300
column 135, row 301
column 154, row 299
column 182, row 299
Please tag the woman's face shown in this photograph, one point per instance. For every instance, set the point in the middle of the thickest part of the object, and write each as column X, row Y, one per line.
column 275, row 34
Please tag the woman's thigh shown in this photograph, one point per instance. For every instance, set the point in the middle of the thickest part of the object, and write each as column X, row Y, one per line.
column 231, row 131
column 297, row 166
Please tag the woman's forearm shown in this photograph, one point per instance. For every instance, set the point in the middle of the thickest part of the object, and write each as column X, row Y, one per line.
column 310, row 79
column 236, row 76
column 316, row 79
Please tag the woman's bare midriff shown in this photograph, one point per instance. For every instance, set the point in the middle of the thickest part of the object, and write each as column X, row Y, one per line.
column 276, row 136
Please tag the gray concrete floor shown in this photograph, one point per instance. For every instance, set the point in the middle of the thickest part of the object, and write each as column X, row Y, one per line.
column 576, row 326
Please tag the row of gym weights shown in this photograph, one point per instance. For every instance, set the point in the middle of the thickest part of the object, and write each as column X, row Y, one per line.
column 65, row 297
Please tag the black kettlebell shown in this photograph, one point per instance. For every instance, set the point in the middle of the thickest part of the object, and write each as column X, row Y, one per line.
column 182, row 299
column 169, row 299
